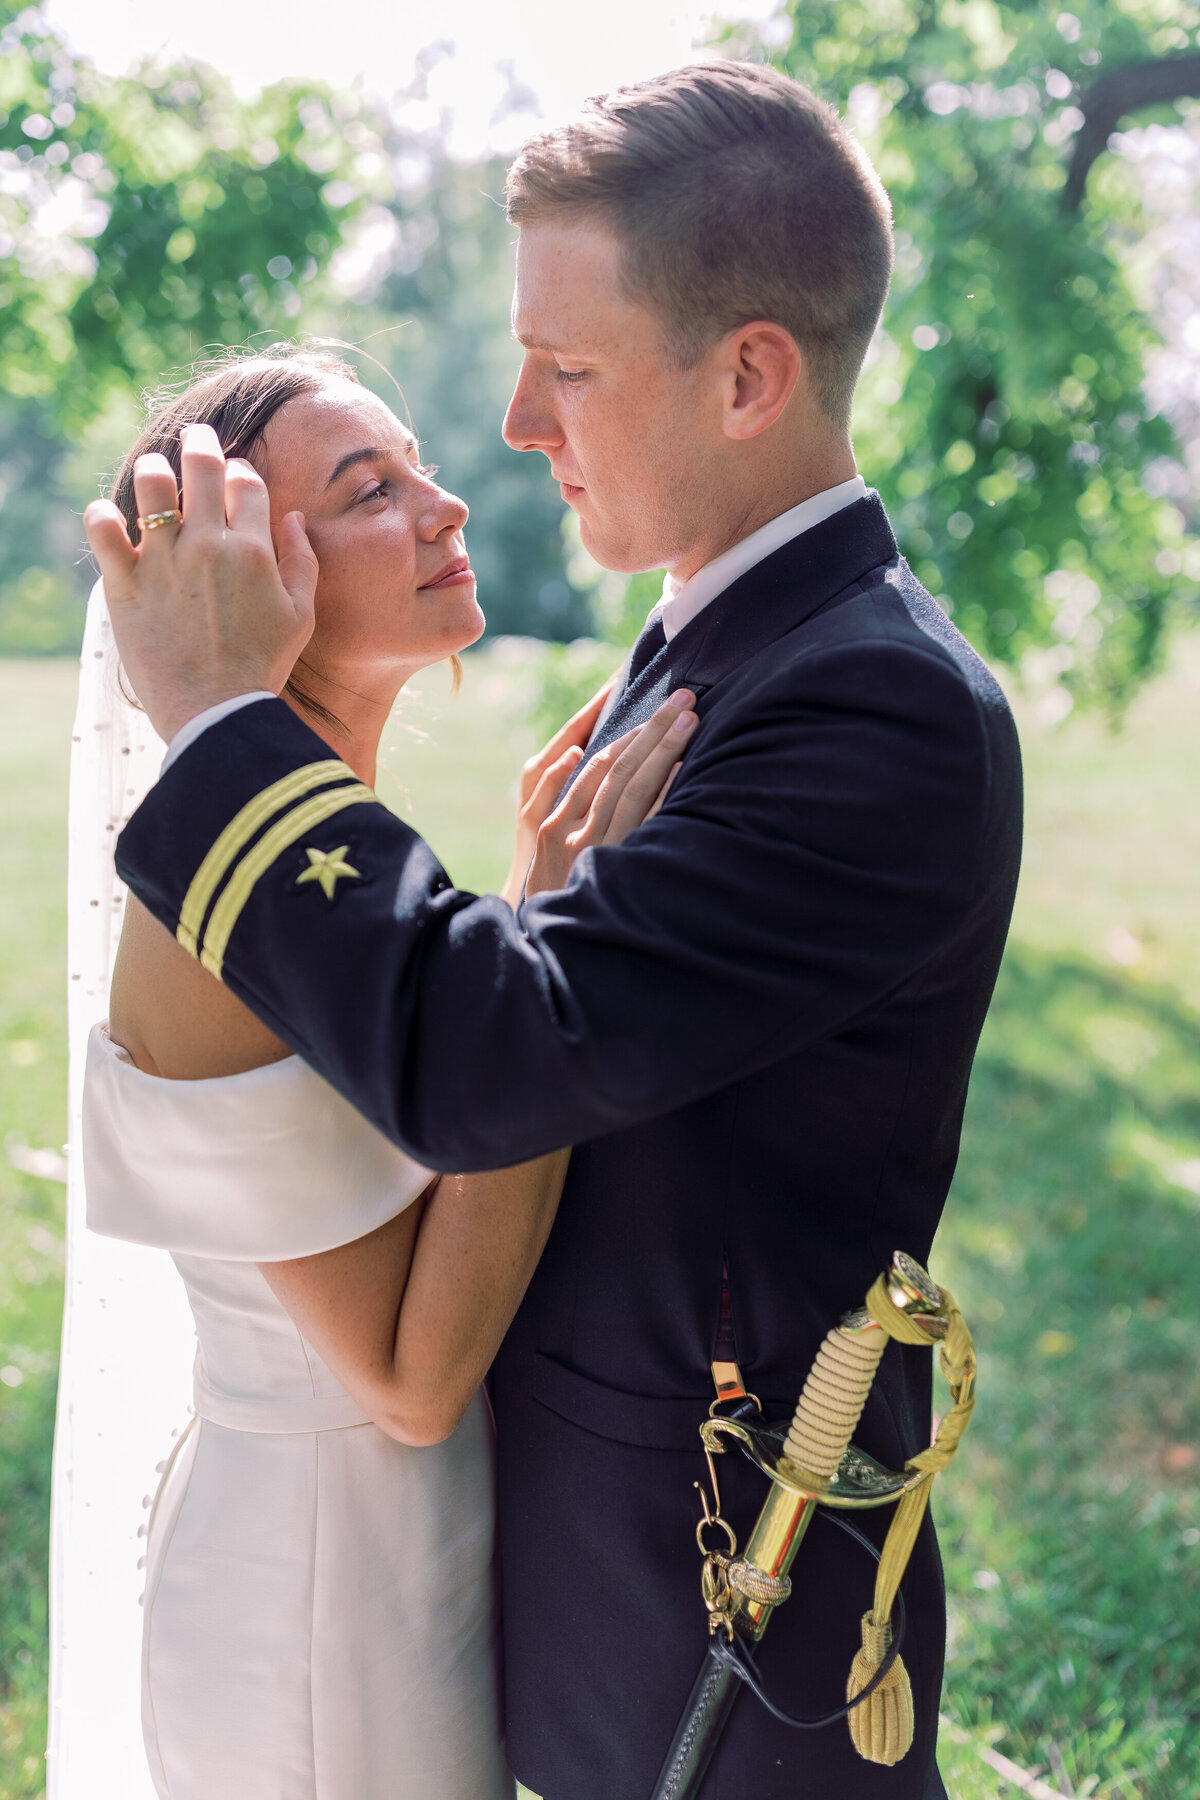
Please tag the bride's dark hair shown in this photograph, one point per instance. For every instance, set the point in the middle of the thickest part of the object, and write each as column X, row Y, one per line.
column 238, row 393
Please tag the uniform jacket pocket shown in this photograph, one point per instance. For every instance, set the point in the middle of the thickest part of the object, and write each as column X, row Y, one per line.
column 647, row 1421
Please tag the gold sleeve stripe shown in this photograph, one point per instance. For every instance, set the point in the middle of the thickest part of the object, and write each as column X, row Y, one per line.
column 269, row 848
column 237, row 834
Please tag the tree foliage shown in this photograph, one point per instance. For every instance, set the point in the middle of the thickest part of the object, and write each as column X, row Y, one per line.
column 144, row 219
column 1002, row 413
column 141, row 222
column 1003, row 416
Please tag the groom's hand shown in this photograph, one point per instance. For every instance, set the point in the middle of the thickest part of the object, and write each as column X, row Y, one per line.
column 209, row 608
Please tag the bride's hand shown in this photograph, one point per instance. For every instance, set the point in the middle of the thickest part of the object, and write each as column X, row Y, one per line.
column 543, row 779
column 623, row 785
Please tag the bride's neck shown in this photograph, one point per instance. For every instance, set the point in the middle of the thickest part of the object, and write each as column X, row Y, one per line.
column 350, row 722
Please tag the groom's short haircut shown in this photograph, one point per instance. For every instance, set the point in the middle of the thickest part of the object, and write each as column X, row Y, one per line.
column 736, row 195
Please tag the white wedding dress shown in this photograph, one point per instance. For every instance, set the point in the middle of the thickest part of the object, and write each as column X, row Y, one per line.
column 318, row 1606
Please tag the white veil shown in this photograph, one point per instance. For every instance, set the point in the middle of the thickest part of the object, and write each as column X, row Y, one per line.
column 127, row 1340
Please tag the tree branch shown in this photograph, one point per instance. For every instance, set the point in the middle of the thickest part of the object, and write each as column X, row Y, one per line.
column 1123, row 91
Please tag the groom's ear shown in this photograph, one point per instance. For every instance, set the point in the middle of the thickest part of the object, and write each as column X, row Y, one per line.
column 760, row 365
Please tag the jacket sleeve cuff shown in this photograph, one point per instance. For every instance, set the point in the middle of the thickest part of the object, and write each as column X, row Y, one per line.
column 212, row 715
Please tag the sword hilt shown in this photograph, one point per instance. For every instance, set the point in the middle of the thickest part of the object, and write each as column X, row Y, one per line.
column 835, row 1393
column 827, row 1413
column 833, row 1398
column 814, row 1465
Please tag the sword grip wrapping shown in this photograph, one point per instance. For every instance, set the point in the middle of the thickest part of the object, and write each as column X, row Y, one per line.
column 833, row 1398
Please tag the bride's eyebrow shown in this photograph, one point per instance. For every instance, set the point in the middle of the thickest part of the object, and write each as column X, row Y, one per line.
column 371, row 454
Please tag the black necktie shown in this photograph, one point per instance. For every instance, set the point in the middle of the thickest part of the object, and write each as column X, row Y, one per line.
column 652, row 640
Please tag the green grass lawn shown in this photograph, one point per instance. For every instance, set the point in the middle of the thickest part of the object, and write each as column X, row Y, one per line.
column 1071, row 1524
column 1072, row 1530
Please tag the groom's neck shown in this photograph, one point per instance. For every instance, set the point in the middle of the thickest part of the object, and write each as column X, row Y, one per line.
column 765, row 481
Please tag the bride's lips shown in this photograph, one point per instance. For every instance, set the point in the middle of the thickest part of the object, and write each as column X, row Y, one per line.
column 455, row 574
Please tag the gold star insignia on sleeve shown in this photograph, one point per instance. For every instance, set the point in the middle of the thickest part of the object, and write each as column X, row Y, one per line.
column 327, row 868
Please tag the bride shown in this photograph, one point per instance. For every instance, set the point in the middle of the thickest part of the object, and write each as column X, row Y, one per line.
column 318, row 1605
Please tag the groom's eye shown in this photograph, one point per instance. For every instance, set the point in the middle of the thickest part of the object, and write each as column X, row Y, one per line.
column 571, row 376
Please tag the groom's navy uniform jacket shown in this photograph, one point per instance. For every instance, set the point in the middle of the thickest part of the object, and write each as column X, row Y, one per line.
column 755, row 1021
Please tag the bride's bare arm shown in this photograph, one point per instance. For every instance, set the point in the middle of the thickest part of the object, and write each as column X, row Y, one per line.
column 411, row 1329
column 410, row 1316
column 174, row 1018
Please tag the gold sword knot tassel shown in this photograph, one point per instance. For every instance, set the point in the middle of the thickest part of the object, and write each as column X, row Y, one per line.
column 882, row 1726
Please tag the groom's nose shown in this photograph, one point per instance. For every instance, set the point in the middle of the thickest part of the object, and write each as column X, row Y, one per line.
column 530, row 422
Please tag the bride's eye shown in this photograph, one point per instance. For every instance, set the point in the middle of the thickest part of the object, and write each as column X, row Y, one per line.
column 378, row 492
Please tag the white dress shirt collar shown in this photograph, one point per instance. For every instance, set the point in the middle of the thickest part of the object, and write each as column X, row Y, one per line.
column 682, row 601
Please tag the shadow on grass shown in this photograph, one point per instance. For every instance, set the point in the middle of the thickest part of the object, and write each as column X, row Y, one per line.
column 26, row 1433
column 1071, row 1525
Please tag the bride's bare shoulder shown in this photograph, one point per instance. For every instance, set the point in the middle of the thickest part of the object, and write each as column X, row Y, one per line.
column 174, row 1018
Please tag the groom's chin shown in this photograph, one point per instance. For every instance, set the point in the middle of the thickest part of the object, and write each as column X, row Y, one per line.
column 613, row 550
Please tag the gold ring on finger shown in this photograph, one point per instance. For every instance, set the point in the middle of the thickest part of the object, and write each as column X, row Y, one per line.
column 152, row 521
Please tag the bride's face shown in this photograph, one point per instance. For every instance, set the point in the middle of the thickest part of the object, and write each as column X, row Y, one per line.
column 395, row 591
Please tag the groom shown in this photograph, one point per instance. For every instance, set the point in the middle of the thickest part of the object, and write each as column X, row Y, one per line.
column 755, row 1019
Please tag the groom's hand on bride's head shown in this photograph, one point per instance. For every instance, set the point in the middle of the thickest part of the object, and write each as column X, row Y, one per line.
column 206, row 606
column 621, row 787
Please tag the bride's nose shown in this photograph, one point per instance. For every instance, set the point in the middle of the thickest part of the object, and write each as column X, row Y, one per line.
column 442, row 512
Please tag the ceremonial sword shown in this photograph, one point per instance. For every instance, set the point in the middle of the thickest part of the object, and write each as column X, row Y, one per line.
column 810, row 1462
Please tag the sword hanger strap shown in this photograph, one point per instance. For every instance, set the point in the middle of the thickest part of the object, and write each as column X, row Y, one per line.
column 732, row 1401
